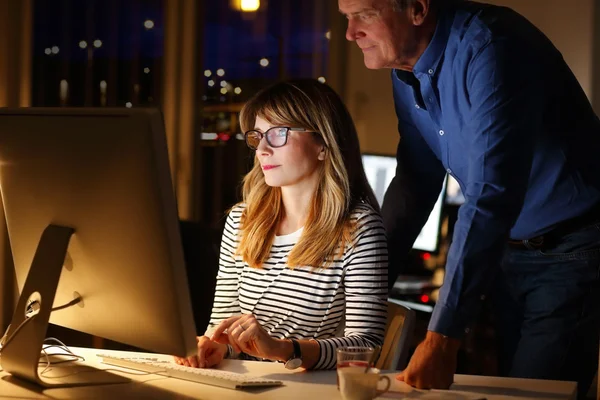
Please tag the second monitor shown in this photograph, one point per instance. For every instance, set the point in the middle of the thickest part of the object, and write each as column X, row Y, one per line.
column 380, row 171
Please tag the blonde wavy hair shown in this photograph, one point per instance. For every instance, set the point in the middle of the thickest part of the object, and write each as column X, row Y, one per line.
column 343, row 184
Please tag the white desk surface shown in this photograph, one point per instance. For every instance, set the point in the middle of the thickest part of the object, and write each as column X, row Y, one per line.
column 303, row 385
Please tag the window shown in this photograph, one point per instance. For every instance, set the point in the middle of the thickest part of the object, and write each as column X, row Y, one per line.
column 97, row 53
column 243, row 52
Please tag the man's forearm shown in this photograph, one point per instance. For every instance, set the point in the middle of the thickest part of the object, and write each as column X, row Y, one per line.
column 441, row 342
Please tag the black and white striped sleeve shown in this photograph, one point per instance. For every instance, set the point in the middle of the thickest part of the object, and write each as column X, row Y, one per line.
column 226, row 302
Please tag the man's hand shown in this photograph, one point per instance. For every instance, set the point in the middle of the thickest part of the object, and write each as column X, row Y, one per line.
column 433, row 364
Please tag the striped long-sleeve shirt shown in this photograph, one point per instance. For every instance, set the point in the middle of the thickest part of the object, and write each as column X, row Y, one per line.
column 341, row 305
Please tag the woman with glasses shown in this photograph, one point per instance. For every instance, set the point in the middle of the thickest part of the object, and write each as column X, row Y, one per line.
column 303, row 265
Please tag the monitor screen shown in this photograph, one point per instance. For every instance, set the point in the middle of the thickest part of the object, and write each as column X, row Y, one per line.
column 454, row 195
column 92, row 218
column 380, row 171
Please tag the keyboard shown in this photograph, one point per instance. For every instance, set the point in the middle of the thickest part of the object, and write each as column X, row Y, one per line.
column 229, row 380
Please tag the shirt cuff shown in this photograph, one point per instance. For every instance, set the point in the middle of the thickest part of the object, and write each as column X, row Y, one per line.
column 448, row 321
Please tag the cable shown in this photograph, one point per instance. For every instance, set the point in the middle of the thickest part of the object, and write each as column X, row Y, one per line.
column 10, row 339
column 61, row 344
column 67, row 305
column 66, row 352
column 33, row 306
column 4, row 337
column 6, row 340
column 33, row 309
column 76, row 357
column 47, row 362
column 50, row 363
column 64, row 347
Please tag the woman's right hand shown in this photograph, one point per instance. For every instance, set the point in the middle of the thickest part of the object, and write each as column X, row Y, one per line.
column 210, row 353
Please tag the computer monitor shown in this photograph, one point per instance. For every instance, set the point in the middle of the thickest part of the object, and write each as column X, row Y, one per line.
column 454, row 194
column 93, row 229
column 380, row 170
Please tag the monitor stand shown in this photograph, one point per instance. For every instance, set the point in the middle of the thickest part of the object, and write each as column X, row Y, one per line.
column 21, row 353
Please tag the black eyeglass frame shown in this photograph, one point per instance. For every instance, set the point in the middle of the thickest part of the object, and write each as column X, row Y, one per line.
column 265, row 134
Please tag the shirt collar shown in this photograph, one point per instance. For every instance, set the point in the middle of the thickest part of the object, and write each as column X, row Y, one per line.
column 430, row 59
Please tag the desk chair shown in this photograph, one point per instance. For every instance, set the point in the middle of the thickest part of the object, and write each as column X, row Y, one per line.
column 398, row 336
column 201, row 251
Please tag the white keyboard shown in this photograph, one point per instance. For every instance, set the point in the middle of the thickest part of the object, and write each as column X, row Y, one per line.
column 230, row 380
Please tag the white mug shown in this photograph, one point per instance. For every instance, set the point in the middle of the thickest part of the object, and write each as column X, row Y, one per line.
column 358, row 384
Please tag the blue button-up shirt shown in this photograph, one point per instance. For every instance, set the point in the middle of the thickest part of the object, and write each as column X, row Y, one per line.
column 492, row 103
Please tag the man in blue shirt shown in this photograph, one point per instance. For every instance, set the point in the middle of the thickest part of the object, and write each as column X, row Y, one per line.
column 483, row 95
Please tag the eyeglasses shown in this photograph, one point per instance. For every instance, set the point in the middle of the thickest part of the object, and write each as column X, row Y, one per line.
column 276, row 136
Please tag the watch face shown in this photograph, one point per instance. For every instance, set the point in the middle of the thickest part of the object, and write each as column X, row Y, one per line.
column 293, row 363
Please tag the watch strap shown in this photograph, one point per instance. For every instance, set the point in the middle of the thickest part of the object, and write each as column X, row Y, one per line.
column 297, row 349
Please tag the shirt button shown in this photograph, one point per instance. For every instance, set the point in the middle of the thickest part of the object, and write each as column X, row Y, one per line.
column 449, row 171
column 483, row 297
column 441, row 132
column 430, row 99
column 467, row 330
column 417, row 106
column 430, row 72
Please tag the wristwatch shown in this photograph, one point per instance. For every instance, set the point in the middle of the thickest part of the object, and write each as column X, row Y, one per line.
column 295, row 361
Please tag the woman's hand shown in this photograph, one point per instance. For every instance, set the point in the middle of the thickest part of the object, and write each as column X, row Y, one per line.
column 210, row 353
column 245, row 334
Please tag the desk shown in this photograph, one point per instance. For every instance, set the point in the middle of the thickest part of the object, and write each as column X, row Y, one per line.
column 303, row 385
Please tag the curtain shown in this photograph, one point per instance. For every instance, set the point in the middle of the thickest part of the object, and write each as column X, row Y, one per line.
column 15, row 91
